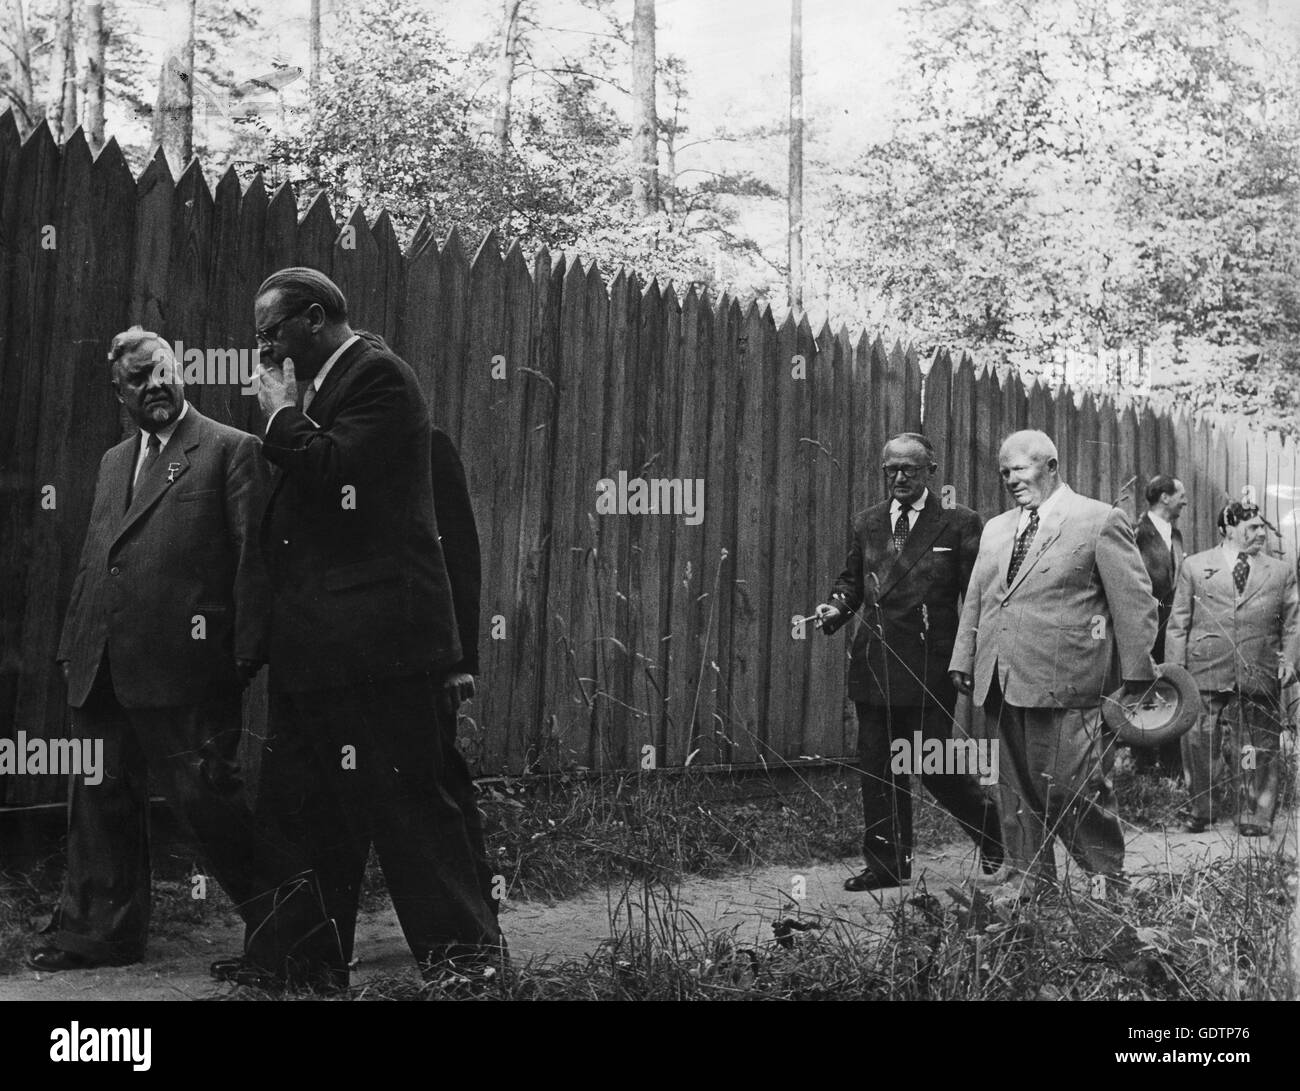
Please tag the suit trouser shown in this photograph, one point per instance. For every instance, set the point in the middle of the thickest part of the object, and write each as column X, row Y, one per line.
column 1232, row 750
column 1054, row 779
column 886, row 797
column 348, row 766
column 103, row 913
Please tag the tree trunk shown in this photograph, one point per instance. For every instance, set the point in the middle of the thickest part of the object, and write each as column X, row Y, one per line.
column 96, row 42
column 795, row 251
column 14, row 58
column 504, row 79
column 645, row 137
column 173, row 119
column 61, row 104
column 313, row 74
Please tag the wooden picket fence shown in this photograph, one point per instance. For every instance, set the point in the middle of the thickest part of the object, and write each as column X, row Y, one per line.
column 608, row 639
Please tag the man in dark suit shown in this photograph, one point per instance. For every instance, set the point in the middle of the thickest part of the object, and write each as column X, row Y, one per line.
column 908, row 565
column 1161, row 545
column 166, row 626
column 363, row 632
column 458, row 532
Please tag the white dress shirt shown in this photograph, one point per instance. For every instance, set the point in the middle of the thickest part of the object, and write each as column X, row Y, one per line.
column 314, row 389
column 1165, row 527
column 913, row 513
column 164, row 435
column 1043, row 509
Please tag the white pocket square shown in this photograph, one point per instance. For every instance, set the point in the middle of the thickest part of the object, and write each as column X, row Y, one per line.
column 941, row 549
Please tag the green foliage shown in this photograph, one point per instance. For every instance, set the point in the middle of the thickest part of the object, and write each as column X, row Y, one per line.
column 1067, row 181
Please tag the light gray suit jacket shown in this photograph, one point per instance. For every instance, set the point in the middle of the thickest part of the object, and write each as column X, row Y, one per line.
column 1081, row 594
column 1228, row 642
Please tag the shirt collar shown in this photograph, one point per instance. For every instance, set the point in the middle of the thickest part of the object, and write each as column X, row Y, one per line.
column 1043, row 508
column 165, row 434
column 1161, row 524
column 895, row 507
column 1230, row 555
column 325, row 369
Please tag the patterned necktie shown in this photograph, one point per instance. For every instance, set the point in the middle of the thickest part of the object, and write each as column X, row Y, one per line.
column 1241, row 572
column 1022, row 546
column 900, row 530
column 152, row 450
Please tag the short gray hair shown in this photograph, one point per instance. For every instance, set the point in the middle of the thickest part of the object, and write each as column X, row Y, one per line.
column 912, row 437
column 1034, row 443
column 129, row 342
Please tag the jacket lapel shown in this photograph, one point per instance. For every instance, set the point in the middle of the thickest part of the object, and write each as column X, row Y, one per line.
column 1257, row 580
column 929, row 523
column 1049, row 529
column 322, row 407
column 169, row 468
column 117, row 475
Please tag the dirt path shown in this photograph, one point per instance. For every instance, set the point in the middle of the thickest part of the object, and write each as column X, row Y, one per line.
column 176, row 967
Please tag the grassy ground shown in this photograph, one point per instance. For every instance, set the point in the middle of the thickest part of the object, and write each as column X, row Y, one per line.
column 1218, row 931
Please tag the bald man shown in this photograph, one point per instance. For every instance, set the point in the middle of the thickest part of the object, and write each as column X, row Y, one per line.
column 1058, row 588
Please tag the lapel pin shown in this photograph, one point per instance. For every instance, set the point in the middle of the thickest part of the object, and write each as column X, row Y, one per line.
column 173, row 468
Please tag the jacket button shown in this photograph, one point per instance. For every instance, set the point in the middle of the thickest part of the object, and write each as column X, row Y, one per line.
column 115, row 571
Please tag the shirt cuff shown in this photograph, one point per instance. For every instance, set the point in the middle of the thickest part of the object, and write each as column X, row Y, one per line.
column 271, row 418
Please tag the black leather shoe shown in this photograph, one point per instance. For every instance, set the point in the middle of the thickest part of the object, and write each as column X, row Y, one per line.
column 991, row 857
column 53, row 959
column 239, row 971
column 1196, row 825
column 872, row 879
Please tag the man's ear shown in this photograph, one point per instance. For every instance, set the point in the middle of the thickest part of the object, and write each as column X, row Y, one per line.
column 1052, row 465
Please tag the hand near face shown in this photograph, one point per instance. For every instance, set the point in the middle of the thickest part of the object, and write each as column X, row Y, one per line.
column 275, row 388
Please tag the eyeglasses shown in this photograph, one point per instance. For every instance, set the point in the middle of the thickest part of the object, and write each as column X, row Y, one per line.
column 909, row 472
column 268, row 335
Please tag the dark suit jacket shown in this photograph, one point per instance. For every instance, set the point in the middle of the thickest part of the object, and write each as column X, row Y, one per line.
column 460, row 546
column 908, row 601
column 1163, row 571
column 186, row 549
column 359, row 585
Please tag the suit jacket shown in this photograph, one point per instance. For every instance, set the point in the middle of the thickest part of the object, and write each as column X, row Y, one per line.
column 1162, row 566
column 460, row 545
column 1229, row 642
column 1081, row 593
column 908, row 601
column 359, row 584
column 186, row 550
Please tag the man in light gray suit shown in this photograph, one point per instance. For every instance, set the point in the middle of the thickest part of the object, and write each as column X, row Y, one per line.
column 1235, row 625
column 1058, row 587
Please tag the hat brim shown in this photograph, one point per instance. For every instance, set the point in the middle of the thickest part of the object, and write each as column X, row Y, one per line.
column 1165, row 712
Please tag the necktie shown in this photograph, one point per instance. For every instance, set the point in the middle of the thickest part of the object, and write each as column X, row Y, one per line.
column 1241, row 572
column 900, row 530
column 1022, row 546
column 152, row 449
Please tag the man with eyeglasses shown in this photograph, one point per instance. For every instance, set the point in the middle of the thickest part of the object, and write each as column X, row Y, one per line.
column 909, row 560
column 363, row 632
